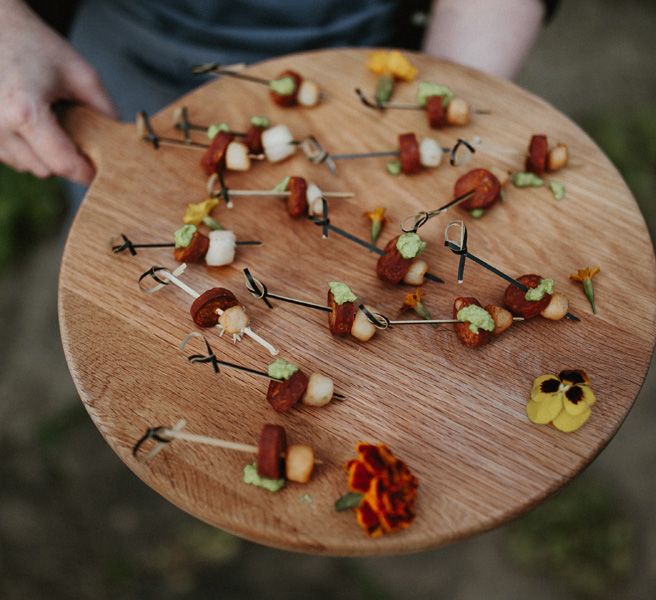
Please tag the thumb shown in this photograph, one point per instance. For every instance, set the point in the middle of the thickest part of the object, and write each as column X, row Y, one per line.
column 84, row 86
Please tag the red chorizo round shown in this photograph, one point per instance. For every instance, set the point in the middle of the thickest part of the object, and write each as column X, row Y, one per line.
column 538, row 150
column 485, row 185
column 340, row 320
column 271, row 450
column 466, row 335
column 282, row 395
column 286, row 100
column 297, row 204
column 196, row 249
column 515, row 299
column 436, row 112
column 204, row 308
column 253, row 139
column 214, row 158
column 409, row 153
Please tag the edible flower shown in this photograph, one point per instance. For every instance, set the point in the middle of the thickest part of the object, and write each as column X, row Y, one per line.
column 413, row 302
column 382, row 490
column 585, row 276
column 564, row 401
column 377, row 218
column 392, row 63
column 196, row 212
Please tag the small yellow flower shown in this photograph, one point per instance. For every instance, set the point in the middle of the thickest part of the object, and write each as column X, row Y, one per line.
column 413, row 302
column 378, row 219
column 583, row 274
column 195, row 213
column 393, row 63
column 564, row 401
column 585, row 277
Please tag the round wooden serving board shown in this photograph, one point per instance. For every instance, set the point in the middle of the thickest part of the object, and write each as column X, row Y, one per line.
column 455, row 415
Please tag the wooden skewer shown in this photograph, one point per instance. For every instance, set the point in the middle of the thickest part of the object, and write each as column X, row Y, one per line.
column 176, row 433
column 173, row 278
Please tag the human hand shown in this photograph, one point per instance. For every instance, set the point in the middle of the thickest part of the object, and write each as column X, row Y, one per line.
column 39, row 68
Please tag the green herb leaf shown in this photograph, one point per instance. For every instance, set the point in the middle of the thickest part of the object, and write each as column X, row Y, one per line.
column 394, row 167
column 523, row 179
column 349, row 500
column 212, row 223
column 477, row 213
column 557, row 189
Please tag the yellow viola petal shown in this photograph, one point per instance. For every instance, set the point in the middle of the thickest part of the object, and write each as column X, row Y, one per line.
column 573, row 376
column 195, row 213
column 546, row 410
column 588, row 395
column 544, row 386
column 400, row 66
column 567, row 423
column 378, row 62
column 573, row 401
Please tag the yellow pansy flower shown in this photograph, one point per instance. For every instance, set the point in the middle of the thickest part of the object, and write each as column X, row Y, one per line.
column 195, row 213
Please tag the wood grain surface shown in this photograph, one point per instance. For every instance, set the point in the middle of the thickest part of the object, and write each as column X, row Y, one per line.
column 455, row 415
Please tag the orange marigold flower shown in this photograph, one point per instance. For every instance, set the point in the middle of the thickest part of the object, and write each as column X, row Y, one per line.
column 585, row 277
column 378, row 219
column 413, row 301
column 388, row 487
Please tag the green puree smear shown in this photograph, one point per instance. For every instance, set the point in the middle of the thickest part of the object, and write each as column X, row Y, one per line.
column 477, row 317
column 259, row 121
column 252, row 478
column 410, row 245
column 281, row 186
column 557, row 189
column 182, row 237
column 425, row 89
column 281, row 369
column 341, row 292
column 523, row 179
column 546, row 286
column 216, row 128
column 285, row 86
column 394, row 167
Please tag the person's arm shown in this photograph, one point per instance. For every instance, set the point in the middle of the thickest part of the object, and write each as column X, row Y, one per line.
column 492, row 35
column 38, row 68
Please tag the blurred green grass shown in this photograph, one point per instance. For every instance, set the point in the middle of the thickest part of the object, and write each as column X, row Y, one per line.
column 30, row 210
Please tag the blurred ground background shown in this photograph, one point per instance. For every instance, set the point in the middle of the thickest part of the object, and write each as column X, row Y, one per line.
column 75, row 523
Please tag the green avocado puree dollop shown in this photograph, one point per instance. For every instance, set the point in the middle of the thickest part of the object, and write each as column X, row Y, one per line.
column 281, row 186
column 182, row 237
column 477, row 317
column 341, row 292
column 425, row 89
column 215, row 128
column 252, row 478
column 557, row 189
column 281, row 369
column 546, row 286
column 285, row 86
column 523, row 179
column 261, row 122
column 410, row 245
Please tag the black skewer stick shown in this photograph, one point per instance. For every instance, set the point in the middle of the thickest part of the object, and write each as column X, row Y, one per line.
column 132, row 247
column 211, row 358
column 403, row 106
column 217, row 69
column 181, row 121
column 459, row 247
column 380, row 321
column 148, row 134
column 261, row 292
column 421, row 218
column 325, row 223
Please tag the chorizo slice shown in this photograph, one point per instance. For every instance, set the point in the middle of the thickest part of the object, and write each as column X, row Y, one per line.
column 340, row 320
column 538, row 150
column 297, row 204
column 253, row 139
column 271, row 450
column 214, row 158
column 485, row 185
column 203, row 309
column 515, row 301
column 391, row 266
column 436, row 112
column 282, row 395
column 196, row 249
column 409, row 153
column 466, row 335
column 286, row 100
